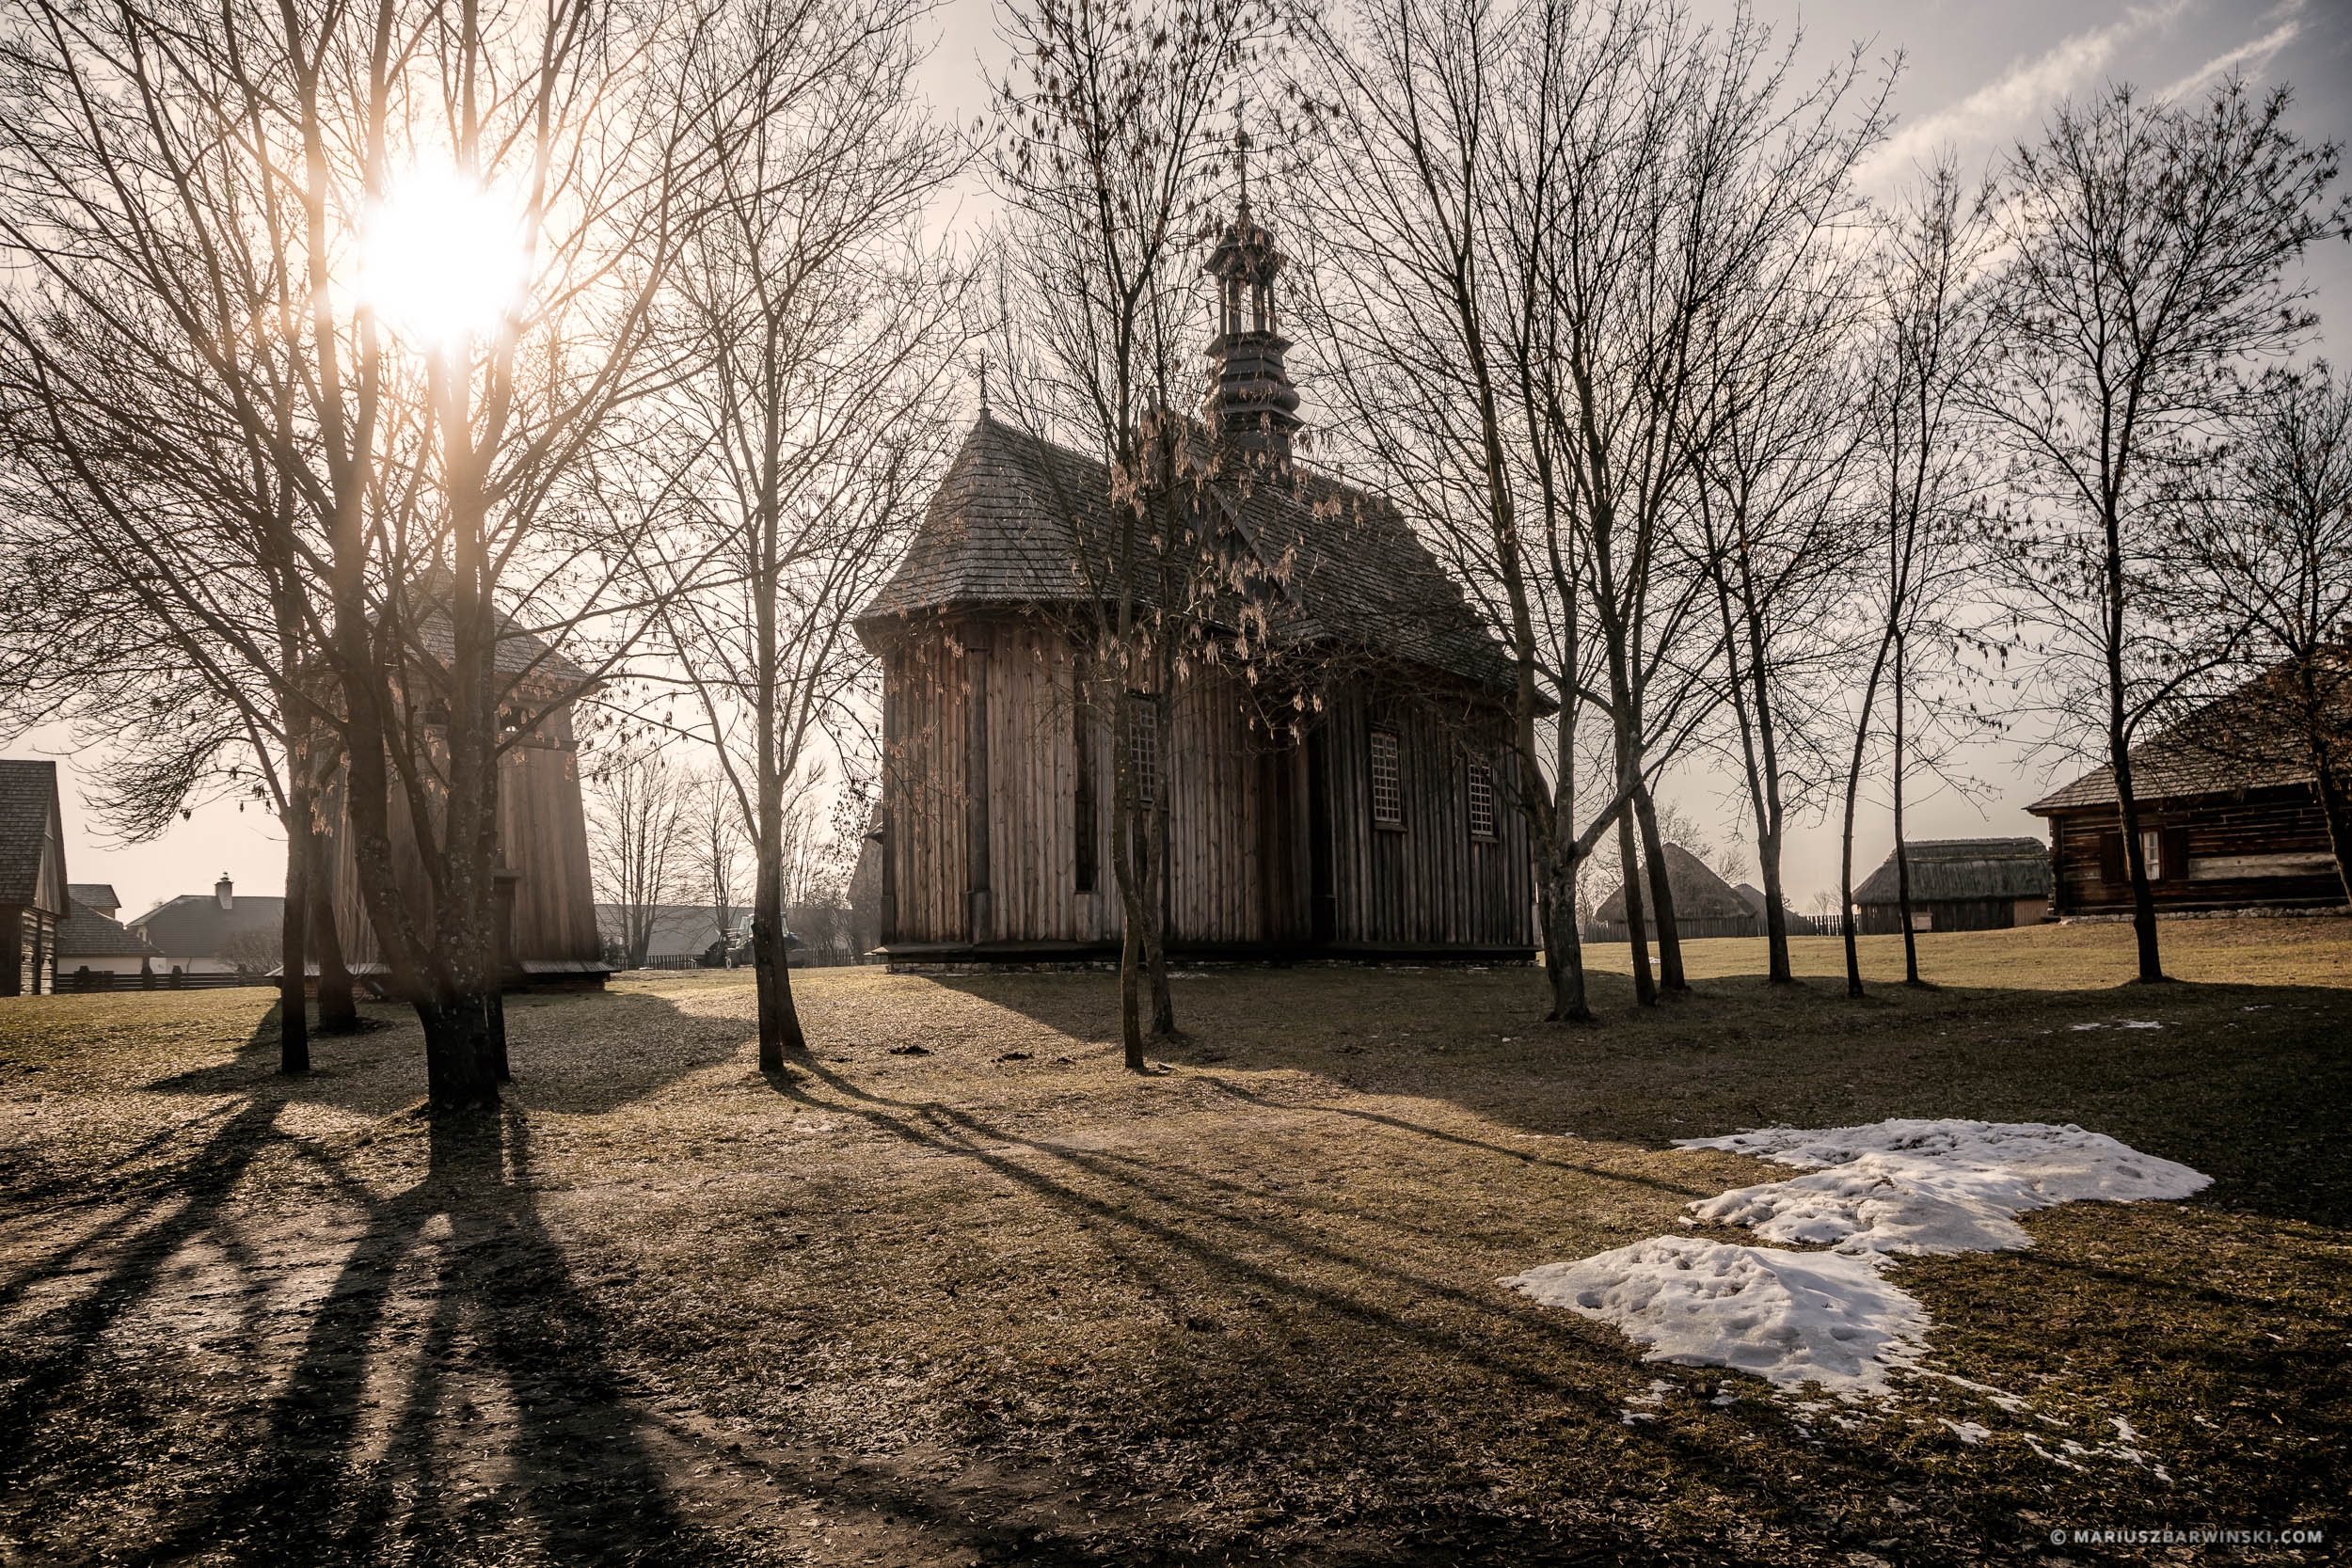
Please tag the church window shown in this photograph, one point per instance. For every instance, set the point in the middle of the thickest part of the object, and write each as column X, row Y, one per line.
column 1388, row 789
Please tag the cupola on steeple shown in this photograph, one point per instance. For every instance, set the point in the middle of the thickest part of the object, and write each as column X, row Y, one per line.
column 1253, row 407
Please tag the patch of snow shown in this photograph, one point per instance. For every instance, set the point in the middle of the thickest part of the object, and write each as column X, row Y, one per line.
column 2144, row 1023
column 1787, row 1317
column 1917, row 1186
column 1968, row 1432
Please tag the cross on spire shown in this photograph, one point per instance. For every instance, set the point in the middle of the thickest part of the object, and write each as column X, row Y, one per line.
column 1240, row 147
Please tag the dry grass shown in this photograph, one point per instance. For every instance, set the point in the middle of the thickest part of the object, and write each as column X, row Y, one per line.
column 996, row 1299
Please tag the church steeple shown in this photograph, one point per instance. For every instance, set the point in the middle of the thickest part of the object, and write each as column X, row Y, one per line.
column 1253, row 407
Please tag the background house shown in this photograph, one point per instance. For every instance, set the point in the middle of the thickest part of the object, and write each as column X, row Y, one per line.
column 214, row 933
column 2229, row 817
column 1705, row 905
column 1960, row 884
column 94, row 950
column 551, row 935
column 33, row 897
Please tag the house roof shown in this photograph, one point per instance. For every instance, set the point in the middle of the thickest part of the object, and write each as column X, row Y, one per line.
column 2239, row 741
column 1350, row 572
column 1699, row 894
column 98, row 896
column 32, row 856
column 1963, row 869
column 194, row 925
column 87, row 934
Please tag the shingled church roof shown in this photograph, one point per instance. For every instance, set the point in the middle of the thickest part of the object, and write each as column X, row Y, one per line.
column 998, row 534
column 31, row 852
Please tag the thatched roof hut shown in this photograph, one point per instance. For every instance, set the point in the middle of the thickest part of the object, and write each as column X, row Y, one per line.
column 1705, row 904
column 1960, row 884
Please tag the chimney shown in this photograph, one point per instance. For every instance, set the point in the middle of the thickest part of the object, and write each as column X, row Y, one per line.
column 225, row 893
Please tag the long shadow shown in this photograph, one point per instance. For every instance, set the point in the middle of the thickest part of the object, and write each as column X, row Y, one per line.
column 302, row 1485
column 944, row 1130
column 2246, row 1083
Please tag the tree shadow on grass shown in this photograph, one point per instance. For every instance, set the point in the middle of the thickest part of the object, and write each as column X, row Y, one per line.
column 2246, row 1083
column 582, row 1053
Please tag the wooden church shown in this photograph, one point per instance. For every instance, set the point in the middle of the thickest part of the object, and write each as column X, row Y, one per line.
column 1384, row 825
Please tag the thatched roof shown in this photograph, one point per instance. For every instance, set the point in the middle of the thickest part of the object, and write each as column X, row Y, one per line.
column 1952, row 869
column 998, row 534
column 1699, row 894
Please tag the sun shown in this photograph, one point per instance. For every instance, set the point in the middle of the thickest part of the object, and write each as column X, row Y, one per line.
column 442, row 259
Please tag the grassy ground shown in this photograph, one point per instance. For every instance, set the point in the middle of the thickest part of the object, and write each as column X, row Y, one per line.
column 958, row 1290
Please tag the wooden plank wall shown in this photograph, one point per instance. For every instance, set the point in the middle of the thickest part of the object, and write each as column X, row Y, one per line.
column 1237, row 852
column 543, row 833
column 923, row 783
column 2271, row 822
column 1429, row 882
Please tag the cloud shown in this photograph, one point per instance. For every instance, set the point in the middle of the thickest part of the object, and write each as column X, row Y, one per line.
column 1999, row 107
column 2249, row 55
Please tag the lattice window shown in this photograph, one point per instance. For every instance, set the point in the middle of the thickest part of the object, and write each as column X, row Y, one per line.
column 1143, row 751
column 1481, row 801
column 1388, row 789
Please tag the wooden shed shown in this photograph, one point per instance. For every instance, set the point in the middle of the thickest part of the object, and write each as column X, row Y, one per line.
column 550, row 934
column 33, row 897
column 1960, row 884
column 1705, row 905
column 1383, row 828
column 2230, row 818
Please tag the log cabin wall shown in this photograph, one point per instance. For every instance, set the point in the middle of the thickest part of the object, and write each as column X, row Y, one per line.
column 2268, row 847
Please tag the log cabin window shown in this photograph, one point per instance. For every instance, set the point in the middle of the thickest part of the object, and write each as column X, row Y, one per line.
column 2151, row 850
column 1388, row 789
column 1481, row 801
column 1143, row 751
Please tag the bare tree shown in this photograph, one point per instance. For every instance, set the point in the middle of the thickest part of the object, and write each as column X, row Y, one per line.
column 809, row 425
column 641, row 836
column 1106, row 164
column 716, row 853
column 2258, row 554
column 2146, row 246
column 1921, row 483
column 335, row 312
column 1533, row 215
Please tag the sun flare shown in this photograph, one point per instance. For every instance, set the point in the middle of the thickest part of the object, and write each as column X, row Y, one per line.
column 442, row 259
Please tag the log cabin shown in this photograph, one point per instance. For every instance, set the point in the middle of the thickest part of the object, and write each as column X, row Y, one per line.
column 1380, row 825
column 547, row 911
column 1959, row 884
column 2230, row 818
column 33, row 897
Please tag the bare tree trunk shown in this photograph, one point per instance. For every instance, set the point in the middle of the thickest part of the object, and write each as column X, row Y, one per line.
column 2119, row 753
column 293, row 1024
column 779, row 1018
column 1670, row 979
column 1564, row 948
column 1902, row 855
column 339, row 1013
column 1636, row 921
column 1156, row 877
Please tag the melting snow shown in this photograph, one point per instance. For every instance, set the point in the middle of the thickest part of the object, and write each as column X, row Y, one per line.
column 1785, row 1316
column 1834, row 1317
column 1932, row 1186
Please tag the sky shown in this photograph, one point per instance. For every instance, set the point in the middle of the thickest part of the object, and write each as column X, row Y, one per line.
column 1976, row 75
